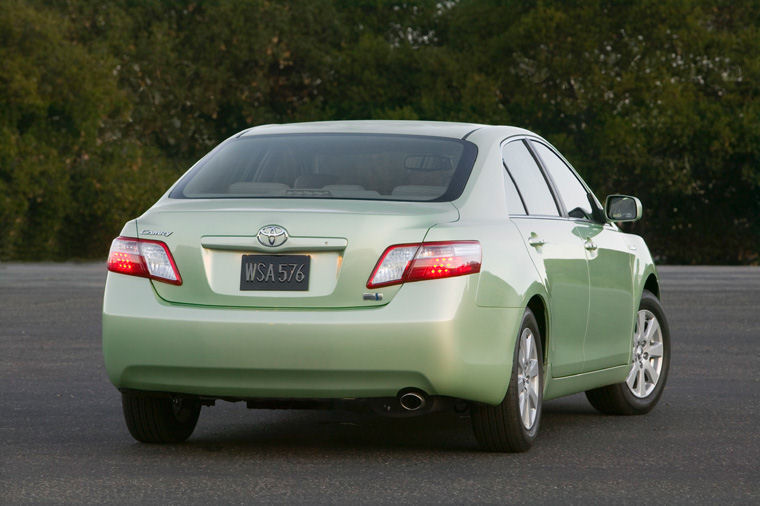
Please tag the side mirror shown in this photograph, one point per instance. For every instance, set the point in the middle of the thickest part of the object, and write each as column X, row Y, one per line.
column 623, row 208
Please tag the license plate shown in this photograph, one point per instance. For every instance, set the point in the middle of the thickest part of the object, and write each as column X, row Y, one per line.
column 275, row 272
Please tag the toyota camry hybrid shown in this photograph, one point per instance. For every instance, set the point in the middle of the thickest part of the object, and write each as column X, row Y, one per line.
column 401, row 267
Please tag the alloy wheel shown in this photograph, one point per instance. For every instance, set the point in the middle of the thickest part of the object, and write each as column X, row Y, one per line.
column 527, row 378
column 647, row 355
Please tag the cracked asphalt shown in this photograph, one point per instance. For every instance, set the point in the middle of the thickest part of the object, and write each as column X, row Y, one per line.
column 63, row 440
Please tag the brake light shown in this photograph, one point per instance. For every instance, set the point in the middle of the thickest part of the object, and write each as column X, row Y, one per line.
column 404, row 263
column 144, row 258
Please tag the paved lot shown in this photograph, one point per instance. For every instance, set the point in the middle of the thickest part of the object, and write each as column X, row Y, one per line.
column 62, row 438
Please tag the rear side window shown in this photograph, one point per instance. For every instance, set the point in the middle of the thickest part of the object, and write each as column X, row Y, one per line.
column 570, row 189
column 515, row 206
column 337, row 166
column 529, row 180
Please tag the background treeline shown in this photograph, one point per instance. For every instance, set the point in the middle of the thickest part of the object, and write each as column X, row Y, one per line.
column 104, row 104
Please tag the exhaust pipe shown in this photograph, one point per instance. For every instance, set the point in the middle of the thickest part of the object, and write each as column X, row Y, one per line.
column 412, row 401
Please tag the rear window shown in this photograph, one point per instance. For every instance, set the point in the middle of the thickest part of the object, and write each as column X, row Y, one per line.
column 333, row 166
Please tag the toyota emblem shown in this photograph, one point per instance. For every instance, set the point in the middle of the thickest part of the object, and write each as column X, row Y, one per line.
column 272, row 235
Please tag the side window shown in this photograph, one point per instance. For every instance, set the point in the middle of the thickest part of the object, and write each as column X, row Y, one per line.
column 571, row 191
column 529, row 179
column 514, row 202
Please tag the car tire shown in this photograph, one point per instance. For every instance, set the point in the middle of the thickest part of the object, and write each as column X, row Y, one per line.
column 506, row 427
column 638, row 394
column 160, row 419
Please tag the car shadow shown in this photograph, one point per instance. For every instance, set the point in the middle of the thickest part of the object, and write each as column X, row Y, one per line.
column 338, row 431
column 305, row 431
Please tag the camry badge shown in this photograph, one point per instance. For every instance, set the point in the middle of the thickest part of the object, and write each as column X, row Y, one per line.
column 272, row 235
column 160, row 233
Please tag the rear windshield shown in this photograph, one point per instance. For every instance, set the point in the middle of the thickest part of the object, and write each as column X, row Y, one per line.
column 333, row 166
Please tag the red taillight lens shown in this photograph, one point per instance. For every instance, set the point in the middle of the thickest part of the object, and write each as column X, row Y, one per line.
column 432, row 260
column 444, row 260
column 144, row 258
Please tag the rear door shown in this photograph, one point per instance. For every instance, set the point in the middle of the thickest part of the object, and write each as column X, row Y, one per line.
column 610, row 264
column 556, row 247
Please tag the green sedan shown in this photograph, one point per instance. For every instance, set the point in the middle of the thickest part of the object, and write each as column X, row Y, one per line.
column 400, row 267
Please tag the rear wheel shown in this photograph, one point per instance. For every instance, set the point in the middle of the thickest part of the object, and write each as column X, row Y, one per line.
column 512, row 426
column 160, row 419
column 650, row 363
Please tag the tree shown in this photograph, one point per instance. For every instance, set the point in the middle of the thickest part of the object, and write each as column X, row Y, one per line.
column 104, row 104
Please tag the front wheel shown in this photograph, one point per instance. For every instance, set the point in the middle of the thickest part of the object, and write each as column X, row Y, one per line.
column 650, row 362
column 512, row 426
column 159, row 419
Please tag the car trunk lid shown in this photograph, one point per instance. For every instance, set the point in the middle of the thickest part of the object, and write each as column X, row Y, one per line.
column 341, row 240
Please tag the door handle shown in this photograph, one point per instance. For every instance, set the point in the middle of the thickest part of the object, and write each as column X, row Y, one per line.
column 535, row 241
column 590, row 245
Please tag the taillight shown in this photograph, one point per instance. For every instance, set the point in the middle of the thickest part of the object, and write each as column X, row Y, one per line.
column 144, row 258
column 403, row 263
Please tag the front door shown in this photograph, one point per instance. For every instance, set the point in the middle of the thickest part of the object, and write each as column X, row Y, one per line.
column 612, row 308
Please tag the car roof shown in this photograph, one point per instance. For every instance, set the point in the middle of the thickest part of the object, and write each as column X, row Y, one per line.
column 433, row 128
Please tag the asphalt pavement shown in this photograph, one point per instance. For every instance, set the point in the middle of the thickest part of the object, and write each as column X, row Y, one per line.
column 63, row 440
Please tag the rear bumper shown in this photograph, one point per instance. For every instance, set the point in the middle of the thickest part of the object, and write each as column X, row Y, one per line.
column 429, row 337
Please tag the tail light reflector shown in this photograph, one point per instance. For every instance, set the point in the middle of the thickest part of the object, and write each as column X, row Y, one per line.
column 144, row 258
column 404, row 263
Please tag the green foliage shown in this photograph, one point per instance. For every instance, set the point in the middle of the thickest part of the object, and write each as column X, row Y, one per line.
column 104, row 104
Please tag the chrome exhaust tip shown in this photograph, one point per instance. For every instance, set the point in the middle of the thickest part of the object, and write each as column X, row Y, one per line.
column 412, row 401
